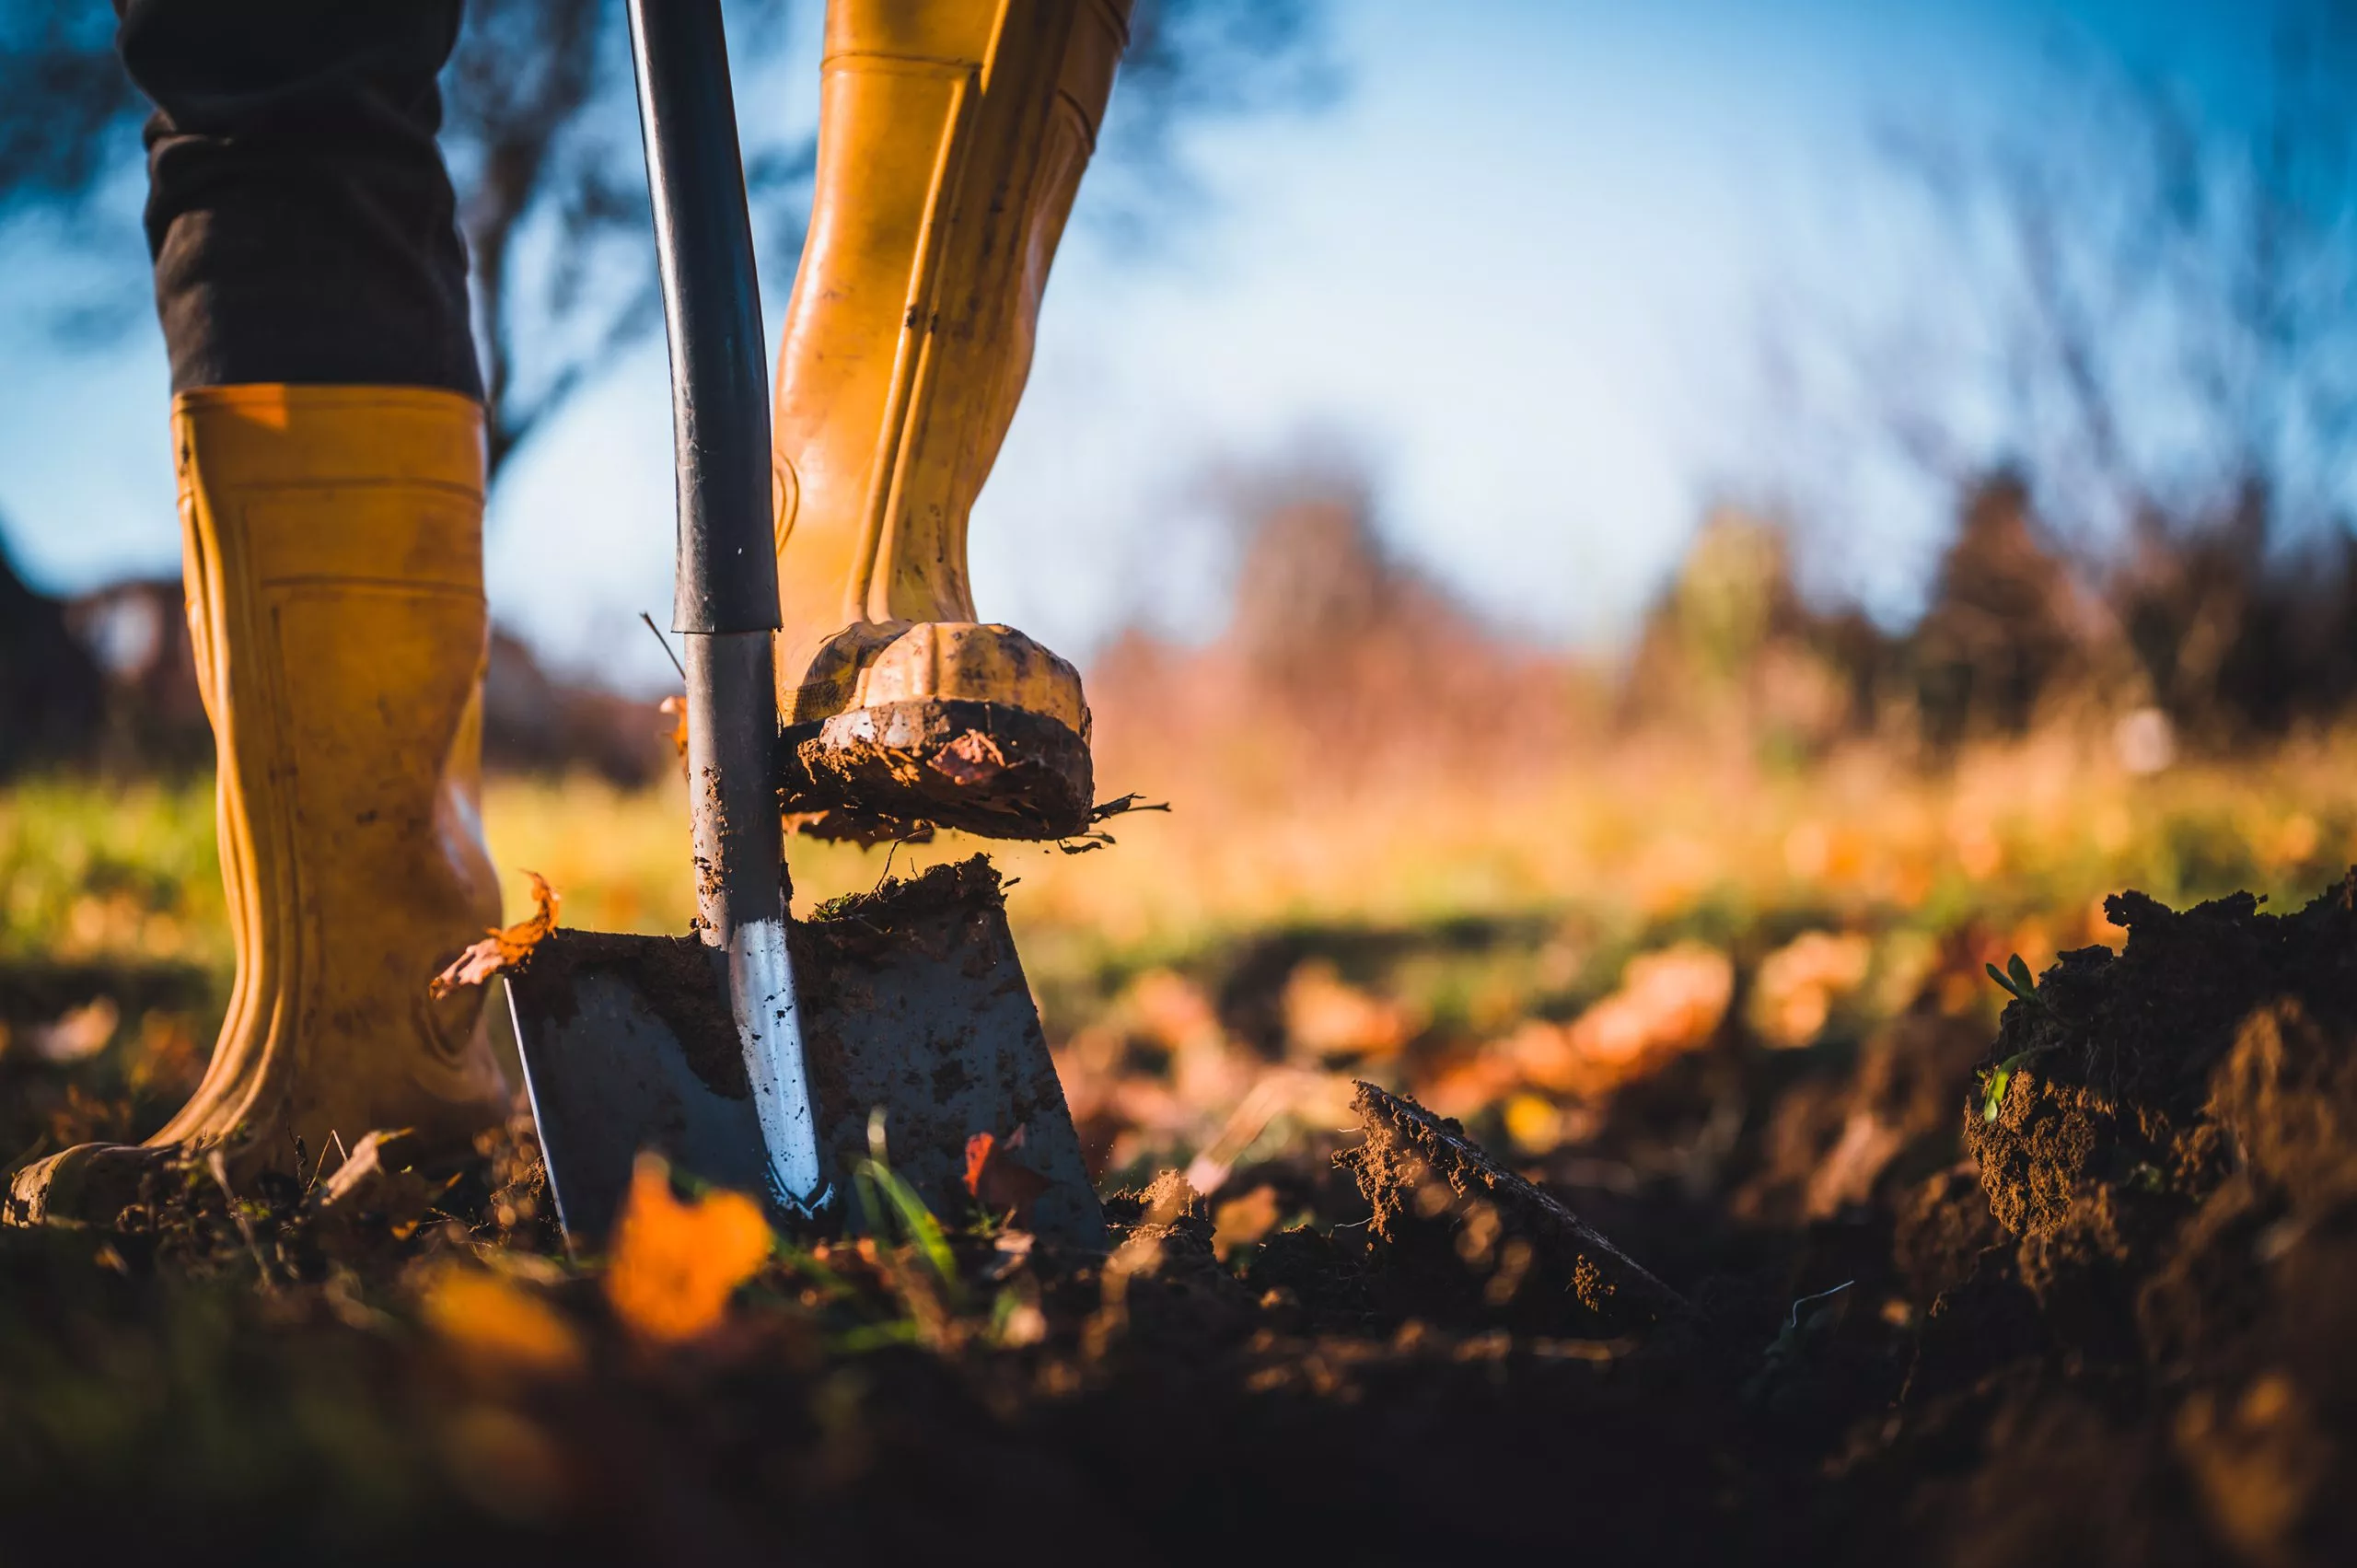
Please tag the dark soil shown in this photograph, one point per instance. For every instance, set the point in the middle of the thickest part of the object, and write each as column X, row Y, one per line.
column 1458, row 1236
column 989, row 767
column 2085, row 1299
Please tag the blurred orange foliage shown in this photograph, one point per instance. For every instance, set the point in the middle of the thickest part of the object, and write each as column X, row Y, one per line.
column 497, row 1326
column 675, row 1265
column 1669, row 1002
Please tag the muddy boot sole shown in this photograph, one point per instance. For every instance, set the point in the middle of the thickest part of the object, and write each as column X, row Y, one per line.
column 983, row 768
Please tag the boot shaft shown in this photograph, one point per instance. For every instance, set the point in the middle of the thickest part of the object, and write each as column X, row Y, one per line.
column 952, row 141
column 333, row 552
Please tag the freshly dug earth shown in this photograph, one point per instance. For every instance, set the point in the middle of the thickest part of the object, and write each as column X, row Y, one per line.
column 2097, row 1310
column 2173, row 1157
column 1462, row 1238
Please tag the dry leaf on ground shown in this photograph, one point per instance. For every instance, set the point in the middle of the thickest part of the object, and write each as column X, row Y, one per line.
column 498, row 1326
column 1798, row 984
column 997, row 1181
column 78, row 1034
column 1669, row 1001
column 675, row 710
column 1242, row 1222
column 377, row 1188
column 1327, row 1017
column 502, row 949
column 675, row 1264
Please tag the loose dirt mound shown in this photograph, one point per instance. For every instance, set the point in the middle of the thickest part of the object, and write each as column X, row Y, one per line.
column 2133, row 1104
column 2168, row 1139
column 1463, row 1236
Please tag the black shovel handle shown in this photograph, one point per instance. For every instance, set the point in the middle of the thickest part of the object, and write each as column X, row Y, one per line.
column 711, row 309
column 726, row 608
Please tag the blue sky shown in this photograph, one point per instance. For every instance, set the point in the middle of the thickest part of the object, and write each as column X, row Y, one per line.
column 1520, row 269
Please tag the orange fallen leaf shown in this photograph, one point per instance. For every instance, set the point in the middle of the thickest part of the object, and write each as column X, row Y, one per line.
column 1796, row 986
column 1669, row 1002
column 1242, row 1222
column 499, row 1327
column 676, row 709
column 995, row 1179
column 675, row 1264
column 1326, row 1017
column 502, row 949
column 376, row 1186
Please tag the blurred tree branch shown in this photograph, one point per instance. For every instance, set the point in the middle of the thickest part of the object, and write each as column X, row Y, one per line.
column 2173, row 307
column 2128, row 348
column 542, row 134
column 62, row 92
column 1191, row 62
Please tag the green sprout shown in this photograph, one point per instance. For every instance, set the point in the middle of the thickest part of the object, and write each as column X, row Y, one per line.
column 883, row 1192
column 2017, row 982
column 2020, row 984
column 2000, row 1077
column 877, row 1181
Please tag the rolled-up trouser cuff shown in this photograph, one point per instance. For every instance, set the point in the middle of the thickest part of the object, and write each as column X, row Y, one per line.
column 301, row 220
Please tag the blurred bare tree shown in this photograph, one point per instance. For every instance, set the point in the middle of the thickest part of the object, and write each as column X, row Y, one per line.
column 65, row 94
column 1191, row 63
column 2147, row 351
column 1344, row 664
column 540, row 132
column 2179, row 323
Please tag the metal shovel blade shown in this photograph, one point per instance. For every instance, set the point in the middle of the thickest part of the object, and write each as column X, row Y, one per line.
column 615, row 1034
column 913, row 1000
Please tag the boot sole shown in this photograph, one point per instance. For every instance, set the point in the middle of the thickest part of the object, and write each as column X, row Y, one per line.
column 983, row 768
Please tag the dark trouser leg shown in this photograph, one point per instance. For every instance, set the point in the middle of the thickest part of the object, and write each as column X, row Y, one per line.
column 300, row 217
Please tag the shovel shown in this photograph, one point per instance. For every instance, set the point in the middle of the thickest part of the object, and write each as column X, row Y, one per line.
column 759, row 1053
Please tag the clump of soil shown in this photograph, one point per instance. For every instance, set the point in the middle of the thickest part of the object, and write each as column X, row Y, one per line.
column 897, row 900
column 987, row 767
column 1462, row 1235
column 2167, row 1139
column 2127, row 1093
column 1836, row 1141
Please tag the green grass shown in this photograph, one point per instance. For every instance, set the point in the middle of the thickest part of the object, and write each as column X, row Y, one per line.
column 92, row 868
column 1473, row 906
column 1607, row 859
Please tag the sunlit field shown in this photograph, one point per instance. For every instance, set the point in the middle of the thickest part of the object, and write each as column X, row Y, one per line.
column 1602, row 1059
column 1691, row 949
column 1429, row 939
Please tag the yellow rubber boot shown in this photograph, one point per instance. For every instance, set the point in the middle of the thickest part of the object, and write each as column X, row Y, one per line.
column 951, row 140
column 333, row 540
